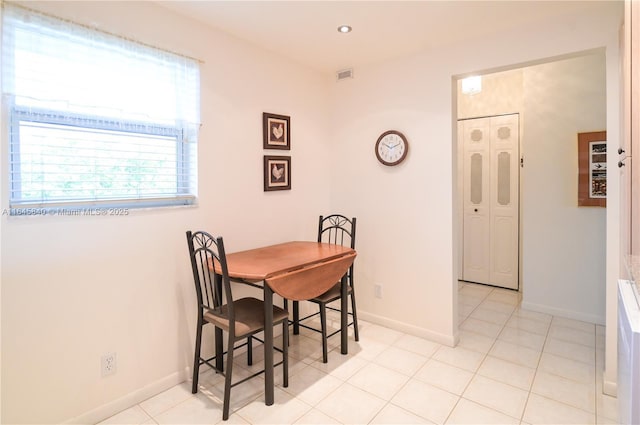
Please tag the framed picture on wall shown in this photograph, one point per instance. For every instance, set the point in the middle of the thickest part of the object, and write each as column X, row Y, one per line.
column 277, row 173
column 592, row 166
column 276, row 131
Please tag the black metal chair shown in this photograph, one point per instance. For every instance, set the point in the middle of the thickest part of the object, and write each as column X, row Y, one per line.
column 240, row 318
column 339, row 230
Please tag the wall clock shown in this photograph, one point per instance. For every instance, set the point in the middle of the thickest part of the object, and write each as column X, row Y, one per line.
column 391, row 148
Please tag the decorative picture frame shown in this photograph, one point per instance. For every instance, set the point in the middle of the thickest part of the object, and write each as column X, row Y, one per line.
column 276, row 131
column 592, row 166
column 277, row 173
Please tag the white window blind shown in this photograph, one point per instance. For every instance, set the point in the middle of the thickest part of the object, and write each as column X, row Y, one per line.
column 96, row 119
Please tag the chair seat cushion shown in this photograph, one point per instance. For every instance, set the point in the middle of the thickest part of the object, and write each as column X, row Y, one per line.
column 249, row 316
column 331, row 295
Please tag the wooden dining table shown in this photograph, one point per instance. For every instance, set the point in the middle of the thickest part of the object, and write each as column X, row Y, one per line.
column 262, row 264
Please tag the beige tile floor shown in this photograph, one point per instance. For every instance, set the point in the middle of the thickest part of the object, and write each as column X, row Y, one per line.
column 512, row 366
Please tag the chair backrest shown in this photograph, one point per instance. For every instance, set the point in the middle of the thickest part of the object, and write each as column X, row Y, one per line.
column 317, row 279
column 338, row 230
column 212, row 290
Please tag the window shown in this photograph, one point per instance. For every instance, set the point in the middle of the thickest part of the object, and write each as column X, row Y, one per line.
column 95, row 119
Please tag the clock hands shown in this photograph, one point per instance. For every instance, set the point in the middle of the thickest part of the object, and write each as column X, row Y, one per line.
column 390, row 147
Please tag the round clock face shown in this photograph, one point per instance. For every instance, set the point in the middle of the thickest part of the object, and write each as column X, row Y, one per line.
column 391, row 147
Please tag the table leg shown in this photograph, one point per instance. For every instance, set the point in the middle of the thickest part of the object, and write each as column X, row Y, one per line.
column 344, row 315
column 296, row 317
column 268, row 345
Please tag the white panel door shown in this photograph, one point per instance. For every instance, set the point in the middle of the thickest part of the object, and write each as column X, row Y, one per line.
column 491, row 199
column 475, row 141
column 504, row 201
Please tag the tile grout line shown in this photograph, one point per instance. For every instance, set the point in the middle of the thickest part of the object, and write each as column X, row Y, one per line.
column 388, row 402
column 595, row 372
column 549, row 337
column 535, row 374
column 475, row 373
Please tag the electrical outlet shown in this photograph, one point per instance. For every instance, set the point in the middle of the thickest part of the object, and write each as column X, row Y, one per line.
column 378, row 290
column 108, row 364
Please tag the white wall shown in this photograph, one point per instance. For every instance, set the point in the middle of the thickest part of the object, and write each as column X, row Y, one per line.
column 501, row 93
column 563, row 244
column 406, row 215
column 74, row 288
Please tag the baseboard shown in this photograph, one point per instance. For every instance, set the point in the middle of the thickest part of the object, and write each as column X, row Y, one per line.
column 449, row 340
column 111, row 408
column 610, row 388
column 590, row 318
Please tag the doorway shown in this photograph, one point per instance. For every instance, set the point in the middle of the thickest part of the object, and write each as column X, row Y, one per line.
column 561, row 245
column 490, row 192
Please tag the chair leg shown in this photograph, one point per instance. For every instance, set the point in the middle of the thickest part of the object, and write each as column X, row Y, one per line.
column 219, row 350
column 249, row 350
column 285, row 353
column 285, row 305
column 355, row 315
column 196, row 359
column 227, row 381
column 323, row 328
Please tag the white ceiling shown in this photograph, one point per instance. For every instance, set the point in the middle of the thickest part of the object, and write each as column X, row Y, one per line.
column 306, row 31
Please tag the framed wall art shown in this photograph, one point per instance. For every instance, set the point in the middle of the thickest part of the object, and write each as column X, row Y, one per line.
column 592, row 166
column 277, row 173
column 276, row 131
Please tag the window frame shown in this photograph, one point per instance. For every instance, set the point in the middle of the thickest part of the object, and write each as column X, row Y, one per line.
column 179, row 131
column 18, row 114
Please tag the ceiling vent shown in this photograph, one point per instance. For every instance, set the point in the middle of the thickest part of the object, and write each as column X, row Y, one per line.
column 344, row 74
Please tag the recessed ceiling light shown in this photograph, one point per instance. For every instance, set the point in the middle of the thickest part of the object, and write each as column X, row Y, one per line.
column 344, row 29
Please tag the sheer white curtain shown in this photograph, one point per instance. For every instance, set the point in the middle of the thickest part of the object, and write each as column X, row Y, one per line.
column 96, row 118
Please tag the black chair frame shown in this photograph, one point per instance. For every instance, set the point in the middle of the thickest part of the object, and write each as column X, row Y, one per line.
column 336, row 229
column 212, row 291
